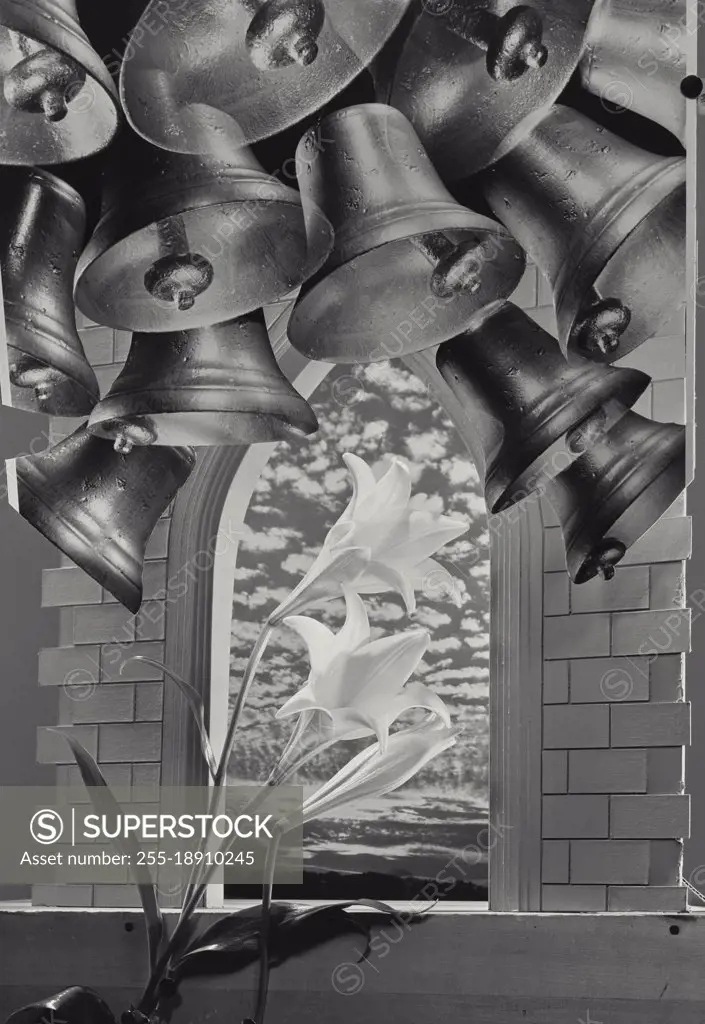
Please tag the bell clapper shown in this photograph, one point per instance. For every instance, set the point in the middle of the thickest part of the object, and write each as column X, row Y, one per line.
column 283, row 32
column 178, row 276
column 604, row 558
column 43, row 81
column 457, row 266
column 586, row 434
column 600, row 327
column 513, row 42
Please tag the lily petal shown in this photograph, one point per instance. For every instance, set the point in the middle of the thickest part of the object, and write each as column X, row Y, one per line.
column 427, row 534
column 384, row 665
column 380, row 576
column 363, row 483
column 390, row 497
column 319, row 640
column 323, row 581
column 357, row 626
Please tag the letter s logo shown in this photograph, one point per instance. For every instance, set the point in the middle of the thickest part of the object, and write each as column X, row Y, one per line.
column 46, row 827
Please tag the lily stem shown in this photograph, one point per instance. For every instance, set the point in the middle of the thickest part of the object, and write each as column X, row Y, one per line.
column 267, row 887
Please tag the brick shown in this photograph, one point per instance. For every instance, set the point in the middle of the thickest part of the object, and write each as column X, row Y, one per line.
column 114, row 657
column 57, row 665
column 153, row 580
column 660, row 632
column 665, row 770
column 554, row 776
column 596, row 680
column 668, row 540
column 118, row 777
column 662, row 358
column 644, row 403
column 68, row 586
column 122, row 342
column 555, row 682
column 151, row 620
column 575, row 817
column 666, row 673
column 123, row 896
column 576, row 725
column 628, row 589
column 144, row 778
column 666, row 865
column 52, row 748
column 647, row 899
column 106, row 376
column 650, row 817
column 62, row 895
column 545, row 317
column 107, row 703
column 556, row 593
column 669, row 401
column 150, row 702
column 545, row 291
column 650, row 725
column 103, row 624
column 608, row 861
column 140, row 741
column 525, row 293
column 583, row 899
column 98, row 345
column 553, row 550
column 668, row 585
column 576, row 636
column 548, row 514
column 158, row 543
column 65, row 626
column 555, row 860
column 607, row 771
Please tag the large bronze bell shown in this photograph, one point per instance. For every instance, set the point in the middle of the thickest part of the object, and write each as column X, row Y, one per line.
column 605, row 222
column 42, row 224
column 97, row 506
column 410, row 266
column 437, row 74
column 531, row 411
column 615, row 492
column 210, row 386
column 58, row 102
column 635, row 56
column 186, row 241
column 245, row 69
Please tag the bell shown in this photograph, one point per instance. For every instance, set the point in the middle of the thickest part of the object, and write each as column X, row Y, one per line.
column 186, row 242
column 410, row 266
column 41, row 234
column 211, row 386
column 58, row 102
column 531, row 411
column 246, row 69
column 605, row 221
column 614, row 493
column 467, row 106
column 97, row 506
column 635, row 56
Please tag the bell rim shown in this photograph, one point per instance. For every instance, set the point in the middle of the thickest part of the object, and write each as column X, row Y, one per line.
column 16, row 16
column 608, row 235
column 575, row 409
column 671, row 462
column 128, row 590
column 308, row 310
column 172, row 429
column 101, row 249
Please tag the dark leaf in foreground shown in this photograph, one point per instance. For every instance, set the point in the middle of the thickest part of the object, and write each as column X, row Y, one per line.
column 74, row 1005
column 233, row 942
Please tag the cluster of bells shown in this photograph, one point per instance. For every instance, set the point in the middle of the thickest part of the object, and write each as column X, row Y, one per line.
column 195, row 238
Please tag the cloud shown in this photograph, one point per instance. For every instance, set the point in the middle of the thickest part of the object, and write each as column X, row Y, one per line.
column 460, row 471
column 431, row 618
column 447, row 643
column 297, row 565
column 477, row 642
column 430, row 445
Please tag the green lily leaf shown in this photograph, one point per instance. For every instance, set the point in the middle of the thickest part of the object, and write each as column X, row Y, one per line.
column 74, row 1005
column 105, row 803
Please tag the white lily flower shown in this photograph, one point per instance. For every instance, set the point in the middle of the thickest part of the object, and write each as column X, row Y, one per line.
column 375, row 771
column 357, row 686
column 380, row 542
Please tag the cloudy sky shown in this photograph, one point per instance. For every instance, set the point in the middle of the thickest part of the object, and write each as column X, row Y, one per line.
column 300, row 495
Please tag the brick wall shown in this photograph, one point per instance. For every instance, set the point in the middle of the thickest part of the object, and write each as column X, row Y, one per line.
column 615, row 721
